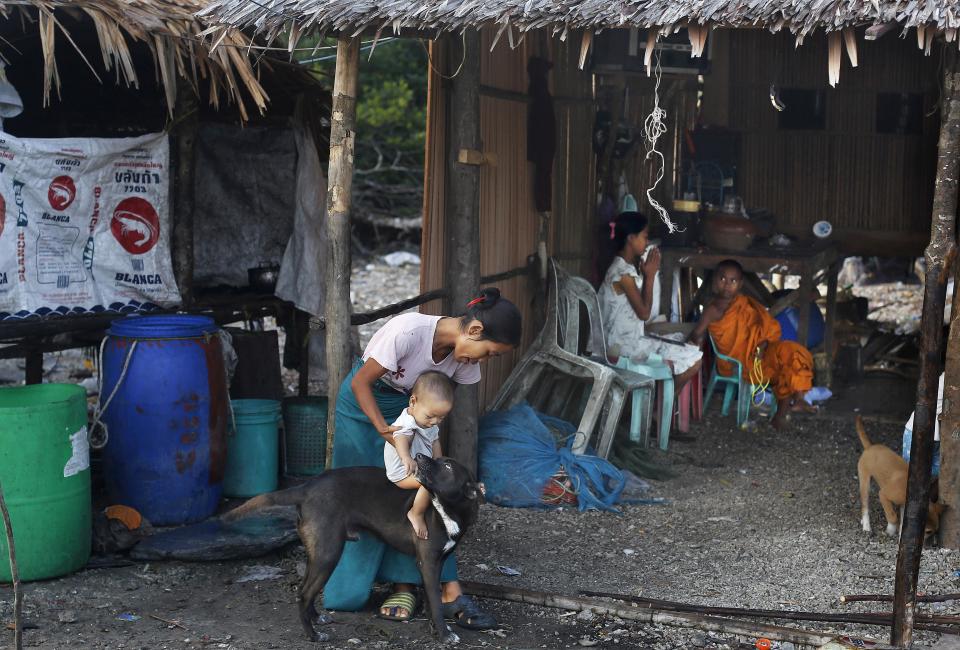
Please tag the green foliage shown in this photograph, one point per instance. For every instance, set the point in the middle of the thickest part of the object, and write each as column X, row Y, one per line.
column 392, row 97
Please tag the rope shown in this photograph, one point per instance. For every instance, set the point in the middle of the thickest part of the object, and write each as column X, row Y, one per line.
column 653, row 128
column 95, row 442
column 759, row 385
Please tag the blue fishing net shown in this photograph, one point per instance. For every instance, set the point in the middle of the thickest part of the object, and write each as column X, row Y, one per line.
column 518, row 454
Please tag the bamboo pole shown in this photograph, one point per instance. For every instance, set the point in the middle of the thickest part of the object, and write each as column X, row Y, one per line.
column 14, row 574
column 939, row 255
column 186, row 114
column 862, row 618
column 885, row 598
column 340, row 181
column 653, row 615
column 462, row 229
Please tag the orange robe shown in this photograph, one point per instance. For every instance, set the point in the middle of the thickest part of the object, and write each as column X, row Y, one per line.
column 745, row 325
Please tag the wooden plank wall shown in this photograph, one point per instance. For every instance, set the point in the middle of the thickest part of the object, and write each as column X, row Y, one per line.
column 876, row 189
column 862, row 181
column 509, row 223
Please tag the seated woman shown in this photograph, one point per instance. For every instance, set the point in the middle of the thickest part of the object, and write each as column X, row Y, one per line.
column 626, row 297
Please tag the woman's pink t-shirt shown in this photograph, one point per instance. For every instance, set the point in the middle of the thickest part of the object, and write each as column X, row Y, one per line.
column 404, row 346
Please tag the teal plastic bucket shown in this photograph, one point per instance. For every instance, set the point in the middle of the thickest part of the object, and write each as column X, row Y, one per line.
column 305, row 435
column 253, row 448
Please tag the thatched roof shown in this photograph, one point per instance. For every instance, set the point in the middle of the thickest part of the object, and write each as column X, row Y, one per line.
column 270, row 17
column 168, row 28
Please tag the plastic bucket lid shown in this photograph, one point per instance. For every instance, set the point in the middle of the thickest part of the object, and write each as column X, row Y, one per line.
column 38, row 397
column 167, row 326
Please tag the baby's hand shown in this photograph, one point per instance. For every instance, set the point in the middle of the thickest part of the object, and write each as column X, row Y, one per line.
column 410, row 465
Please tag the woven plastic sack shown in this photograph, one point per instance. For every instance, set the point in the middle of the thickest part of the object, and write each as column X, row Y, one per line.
column 519, row 454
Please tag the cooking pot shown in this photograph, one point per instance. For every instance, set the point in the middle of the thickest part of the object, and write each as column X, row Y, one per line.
column 727, row 232
column 263, row 277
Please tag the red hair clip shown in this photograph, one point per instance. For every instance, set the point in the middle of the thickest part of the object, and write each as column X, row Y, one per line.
column 476, row 301
column 613, row 229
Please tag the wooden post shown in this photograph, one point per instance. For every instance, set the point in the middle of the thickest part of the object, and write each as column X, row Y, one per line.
column 832, row 273
column 186, row 114
column 939, row 256
column 340, row 180
column 462, row 228
column 34, row 367
column 950, row 433
column 14, row 575
column 807, row 298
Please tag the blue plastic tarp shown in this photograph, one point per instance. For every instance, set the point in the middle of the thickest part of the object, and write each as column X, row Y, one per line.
column 519, row 454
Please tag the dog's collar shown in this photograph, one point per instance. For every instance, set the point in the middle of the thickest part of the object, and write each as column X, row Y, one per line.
column 453, row 529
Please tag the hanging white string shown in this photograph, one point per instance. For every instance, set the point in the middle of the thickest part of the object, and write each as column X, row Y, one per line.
column 653, row 128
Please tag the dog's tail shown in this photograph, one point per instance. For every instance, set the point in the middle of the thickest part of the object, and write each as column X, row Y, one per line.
column 290, row 497
column 864, row 440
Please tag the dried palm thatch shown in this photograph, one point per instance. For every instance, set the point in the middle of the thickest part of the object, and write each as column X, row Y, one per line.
column 270, row 17
column 169, row 29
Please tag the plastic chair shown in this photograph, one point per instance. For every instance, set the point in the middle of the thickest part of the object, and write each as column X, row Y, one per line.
column 558, row 349
column 734, row 384
column 655, row 368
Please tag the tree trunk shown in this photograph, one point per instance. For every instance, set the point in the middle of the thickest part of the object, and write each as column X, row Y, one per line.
column 462, row 255
column 340, row 180
column 186, row 113
column 939, row 255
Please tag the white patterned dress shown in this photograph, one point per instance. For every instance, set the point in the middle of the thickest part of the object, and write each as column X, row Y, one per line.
column 624, row 329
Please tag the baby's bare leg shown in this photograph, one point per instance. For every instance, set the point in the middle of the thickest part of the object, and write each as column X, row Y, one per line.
column 418, row 512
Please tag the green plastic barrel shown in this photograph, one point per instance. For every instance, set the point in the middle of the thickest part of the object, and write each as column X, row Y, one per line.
column 45, row 474
column 305, row 435
column 253, row 448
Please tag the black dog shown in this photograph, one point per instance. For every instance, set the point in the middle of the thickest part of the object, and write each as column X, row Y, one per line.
column 338, row 504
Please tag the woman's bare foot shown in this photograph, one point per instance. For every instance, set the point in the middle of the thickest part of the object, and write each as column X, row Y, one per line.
column 419, row 524
column 799, row 405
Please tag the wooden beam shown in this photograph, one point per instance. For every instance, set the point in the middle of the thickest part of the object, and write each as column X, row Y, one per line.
column 343, row 115
column 187, row 116
column 462, row 228
column 939, row 255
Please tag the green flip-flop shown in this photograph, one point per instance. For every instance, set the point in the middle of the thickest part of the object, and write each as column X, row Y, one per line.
column 395, row 602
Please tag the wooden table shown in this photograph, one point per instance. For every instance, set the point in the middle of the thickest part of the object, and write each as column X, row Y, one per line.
column 803, row 260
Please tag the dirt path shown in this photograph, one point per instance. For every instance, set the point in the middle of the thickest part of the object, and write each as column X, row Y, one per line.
column 761, row 519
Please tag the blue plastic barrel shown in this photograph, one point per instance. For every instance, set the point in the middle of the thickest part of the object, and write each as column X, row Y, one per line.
column 253, row 448
column 167, row 421
column 789, row 320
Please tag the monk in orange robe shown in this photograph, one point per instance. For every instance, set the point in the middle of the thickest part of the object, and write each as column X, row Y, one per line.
column 742, row 328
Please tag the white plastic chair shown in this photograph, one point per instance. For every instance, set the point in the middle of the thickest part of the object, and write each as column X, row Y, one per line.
column 560, row 348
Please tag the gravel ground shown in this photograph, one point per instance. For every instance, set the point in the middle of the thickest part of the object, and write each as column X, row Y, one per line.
column 753, row 519
column 763, row 519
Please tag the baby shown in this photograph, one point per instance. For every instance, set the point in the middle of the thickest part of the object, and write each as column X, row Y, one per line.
column 431, row 399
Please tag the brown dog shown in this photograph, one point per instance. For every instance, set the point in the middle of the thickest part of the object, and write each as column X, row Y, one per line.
column 889, row 470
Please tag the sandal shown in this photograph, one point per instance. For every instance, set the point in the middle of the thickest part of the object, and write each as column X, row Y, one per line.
column 396, row 602
column 467, row 614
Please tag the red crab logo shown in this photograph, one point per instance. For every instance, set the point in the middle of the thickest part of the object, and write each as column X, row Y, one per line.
column 136, row 225
column 61, row 193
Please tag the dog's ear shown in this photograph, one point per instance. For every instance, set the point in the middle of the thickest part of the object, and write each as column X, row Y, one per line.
column 474, row 491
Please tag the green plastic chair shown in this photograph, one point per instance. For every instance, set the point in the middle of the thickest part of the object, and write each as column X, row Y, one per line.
column 655, row 368
column 734, row 384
